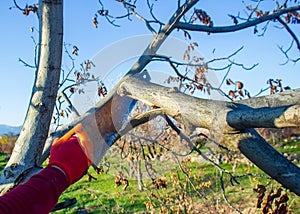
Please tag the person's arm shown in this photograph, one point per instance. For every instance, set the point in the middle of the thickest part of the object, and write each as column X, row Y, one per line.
column 38, row 195
column 67, row 164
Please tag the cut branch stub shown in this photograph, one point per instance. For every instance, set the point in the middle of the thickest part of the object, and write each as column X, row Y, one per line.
column 182, row 107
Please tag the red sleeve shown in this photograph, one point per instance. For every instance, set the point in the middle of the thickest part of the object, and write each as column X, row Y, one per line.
column 37, row 196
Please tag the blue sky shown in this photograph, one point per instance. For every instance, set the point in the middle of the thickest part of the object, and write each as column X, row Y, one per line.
column 16, row 42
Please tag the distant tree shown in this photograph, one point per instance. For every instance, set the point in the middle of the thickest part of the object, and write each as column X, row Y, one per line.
column 7, row 143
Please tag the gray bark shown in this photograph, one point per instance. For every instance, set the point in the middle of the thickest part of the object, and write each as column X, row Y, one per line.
column 28, row 148
column 276, row 117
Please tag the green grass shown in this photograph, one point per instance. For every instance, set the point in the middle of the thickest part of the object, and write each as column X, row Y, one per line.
column 292, row 147
column 102, row 195
column 3, row 160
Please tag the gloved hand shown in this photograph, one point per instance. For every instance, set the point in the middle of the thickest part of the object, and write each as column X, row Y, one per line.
column 70, row 157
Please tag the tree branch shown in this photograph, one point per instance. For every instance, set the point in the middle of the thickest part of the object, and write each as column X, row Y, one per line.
column 258, row 151
column 194, row 148
column 290, row 32
column 17, row 6
column 286, row 54
column 207, row 113
column 232, row 28
column 203, row 113
column 198, row 112
column 224, row 195
column 145, row 21
column 160, row 38
column 276, row 117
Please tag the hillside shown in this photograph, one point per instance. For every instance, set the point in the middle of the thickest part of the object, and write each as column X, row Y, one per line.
column 6, row 129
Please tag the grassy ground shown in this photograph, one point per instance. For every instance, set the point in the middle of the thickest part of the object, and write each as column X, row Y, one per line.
column 102, row 196
column 3, row 160
column 179, row 196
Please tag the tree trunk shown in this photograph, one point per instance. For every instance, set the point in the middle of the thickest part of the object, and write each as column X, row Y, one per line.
column 28, row 148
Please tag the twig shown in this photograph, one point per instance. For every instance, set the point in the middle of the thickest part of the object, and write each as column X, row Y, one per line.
column 225, row 76
column 69, row 103
column 145, row 21
column 185, row 77
column 17, row 6
column 153, row 16
column 162, row 146
column 26, row 64
column 294, row 36
column 252, row 12
column 253, row 175
column 211, row 140
column 194, row 148
column 111, row 19
column 224, row 195
column 188, row 177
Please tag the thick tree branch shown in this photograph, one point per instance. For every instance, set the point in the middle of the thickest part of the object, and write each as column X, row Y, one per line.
column 237, row 27
column 210, row 114
column 206, row 113
column 180, row 106
column 257, row 150
column 277, row 117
